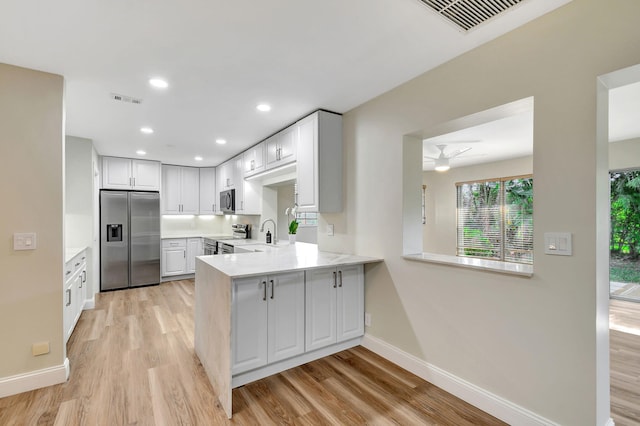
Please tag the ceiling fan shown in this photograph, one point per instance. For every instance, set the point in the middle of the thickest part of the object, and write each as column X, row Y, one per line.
column 442, row 161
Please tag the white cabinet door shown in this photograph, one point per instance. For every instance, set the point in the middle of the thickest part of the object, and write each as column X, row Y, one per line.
column 248, row 324
column 286, row 316
column 307, row 177
column 171, row 185
column 190, row 190
column 350, row 302
column 174, row 261
column 208, row 191
column 194, row 248
column 321, row 308
column 116, row 173
column 226, row 176
column 288, row 141
column 180, row 190
column 146, row 175
column 253, row 160
column 68, row 313
column 267, row 320
column 334, row 308
column 127, row 173
column 319, row 163
column 272, row 149
column 281, row 148
column 238, row 179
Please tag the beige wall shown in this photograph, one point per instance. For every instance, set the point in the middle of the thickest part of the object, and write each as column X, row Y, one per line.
column 31, row 282
column 439, row 233
column 530, row 341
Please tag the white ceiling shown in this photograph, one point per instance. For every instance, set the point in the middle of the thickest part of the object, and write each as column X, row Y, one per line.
column 512, row 136
column 502, row 139
column 624, row 112
column 222, row 58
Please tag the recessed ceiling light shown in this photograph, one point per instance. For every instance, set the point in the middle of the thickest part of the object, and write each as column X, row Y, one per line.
column 158, row 83
column 221, row 141
column 141, row 152
column 146, row 130
column 264, row 107
column 197, row 158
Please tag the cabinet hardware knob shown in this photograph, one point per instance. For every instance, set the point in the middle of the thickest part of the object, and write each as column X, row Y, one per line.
column 334, row 279
column 340, row 275
column 264, row 295
column 272, row 289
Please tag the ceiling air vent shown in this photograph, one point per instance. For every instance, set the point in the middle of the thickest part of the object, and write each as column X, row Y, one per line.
column 468, row 14
column 124, row 98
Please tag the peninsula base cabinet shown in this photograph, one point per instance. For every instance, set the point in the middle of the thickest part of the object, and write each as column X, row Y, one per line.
column 267, row 320
column 334, row 305
column 287, row 319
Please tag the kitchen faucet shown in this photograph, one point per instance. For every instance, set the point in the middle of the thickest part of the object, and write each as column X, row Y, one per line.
column 275, row 233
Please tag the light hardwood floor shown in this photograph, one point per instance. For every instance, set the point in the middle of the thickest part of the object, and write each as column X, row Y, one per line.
column 132, row 362
column 624, row 323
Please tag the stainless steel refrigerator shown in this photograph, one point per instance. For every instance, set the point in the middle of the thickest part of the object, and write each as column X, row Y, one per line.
column 129, row 239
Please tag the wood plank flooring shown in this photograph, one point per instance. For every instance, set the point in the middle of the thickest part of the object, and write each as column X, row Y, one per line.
column 624, row 337
column 133, row 363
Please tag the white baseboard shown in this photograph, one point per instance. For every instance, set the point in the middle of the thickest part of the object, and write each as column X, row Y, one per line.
column 495, row 405
column 89, row 303
column 34, row 379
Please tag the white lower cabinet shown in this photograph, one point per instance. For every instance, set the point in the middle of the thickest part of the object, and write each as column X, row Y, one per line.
column 267, row 320
column 334, row 305
column 179, row 255
column 75, row 292
column 174, row 256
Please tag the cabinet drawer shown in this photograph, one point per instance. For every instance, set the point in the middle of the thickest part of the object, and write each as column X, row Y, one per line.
column 77, row 263
column 174, row 243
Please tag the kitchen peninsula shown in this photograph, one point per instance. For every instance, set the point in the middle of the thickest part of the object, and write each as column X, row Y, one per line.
column 260, row 313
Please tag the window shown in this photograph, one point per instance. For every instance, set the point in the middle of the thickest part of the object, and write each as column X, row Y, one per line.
column 495, row 219
column 307, row 219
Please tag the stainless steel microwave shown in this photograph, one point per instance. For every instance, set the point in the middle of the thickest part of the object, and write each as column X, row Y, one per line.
column 228, row 201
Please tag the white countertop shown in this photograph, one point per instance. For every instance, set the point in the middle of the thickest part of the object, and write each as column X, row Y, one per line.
column 474, row 263
column 281, row 258
column 195, row 235
column 71, row 252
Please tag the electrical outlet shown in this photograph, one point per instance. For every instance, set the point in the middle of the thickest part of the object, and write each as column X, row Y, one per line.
column 367, row 319
column 40, row 348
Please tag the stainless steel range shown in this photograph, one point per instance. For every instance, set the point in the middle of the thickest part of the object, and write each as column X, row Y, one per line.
column 216, row 246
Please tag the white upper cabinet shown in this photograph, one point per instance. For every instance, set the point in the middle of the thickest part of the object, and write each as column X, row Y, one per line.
column 225, row 174
column 208, row 191
column 180, row 190
column 319, row 163
column 253, row 159
column 127, row 173
column 281, row 148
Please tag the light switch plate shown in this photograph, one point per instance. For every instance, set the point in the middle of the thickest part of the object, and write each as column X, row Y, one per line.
column 558, row 243
column 24, row 241
column 330, row 230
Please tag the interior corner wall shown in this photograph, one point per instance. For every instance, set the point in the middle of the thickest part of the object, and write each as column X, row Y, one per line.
column 31, row 281
column 440, row 230
column 79, row 215
column 531, row 341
